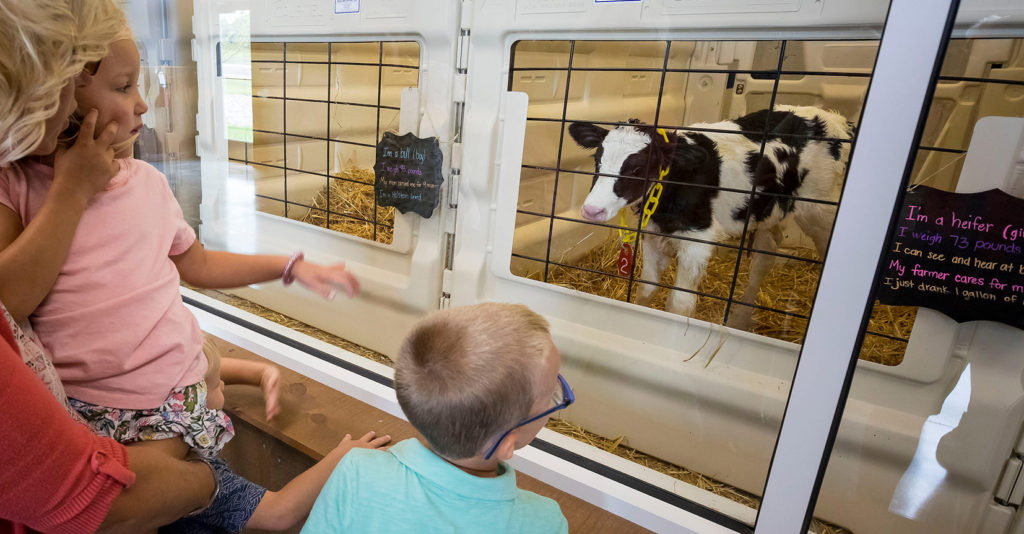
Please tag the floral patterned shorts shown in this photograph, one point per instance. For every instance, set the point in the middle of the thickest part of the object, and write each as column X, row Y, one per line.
column 184, row 414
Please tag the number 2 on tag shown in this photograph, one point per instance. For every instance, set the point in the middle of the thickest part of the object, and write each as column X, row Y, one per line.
column 625, row 259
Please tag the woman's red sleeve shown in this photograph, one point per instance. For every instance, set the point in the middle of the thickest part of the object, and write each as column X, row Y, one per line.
column 57, row 476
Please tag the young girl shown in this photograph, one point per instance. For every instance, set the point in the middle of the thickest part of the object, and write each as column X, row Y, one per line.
column 127, row 350
column 122, row 340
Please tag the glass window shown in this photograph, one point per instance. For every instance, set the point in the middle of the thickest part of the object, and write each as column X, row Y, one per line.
column 931, row 445
column 747, row 198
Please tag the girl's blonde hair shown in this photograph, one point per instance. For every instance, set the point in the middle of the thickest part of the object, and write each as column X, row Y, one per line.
column 43, row 45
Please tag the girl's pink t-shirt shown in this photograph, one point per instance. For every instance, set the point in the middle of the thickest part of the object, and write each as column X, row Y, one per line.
column 114, row 321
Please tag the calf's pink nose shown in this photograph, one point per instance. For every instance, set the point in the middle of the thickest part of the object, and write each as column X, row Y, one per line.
column 592, row 213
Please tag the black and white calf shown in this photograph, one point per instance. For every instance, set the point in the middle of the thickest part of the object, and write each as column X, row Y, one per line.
column 794, row 165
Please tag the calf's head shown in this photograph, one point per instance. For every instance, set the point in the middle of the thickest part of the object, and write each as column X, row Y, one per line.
column 634, row 153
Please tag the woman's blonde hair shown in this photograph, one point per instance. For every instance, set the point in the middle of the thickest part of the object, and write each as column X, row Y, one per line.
column 43, row 45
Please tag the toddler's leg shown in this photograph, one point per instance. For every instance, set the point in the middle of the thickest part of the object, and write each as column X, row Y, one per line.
column 232, row 506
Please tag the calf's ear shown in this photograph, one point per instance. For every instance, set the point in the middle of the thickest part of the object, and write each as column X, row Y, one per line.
column 587, row 135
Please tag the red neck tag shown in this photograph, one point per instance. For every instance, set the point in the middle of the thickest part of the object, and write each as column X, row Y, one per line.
column 625, row 259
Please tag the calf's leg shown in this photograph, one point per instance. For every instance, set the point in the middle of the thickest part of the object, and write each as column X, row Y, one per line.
column 693, row 259
column 768, row 239
column 816, row 221
column 656, row 257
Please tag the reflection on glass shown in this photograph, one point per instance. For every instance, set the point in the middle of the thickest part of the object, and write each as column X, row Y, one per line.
column 237, row 74
column 925, row 475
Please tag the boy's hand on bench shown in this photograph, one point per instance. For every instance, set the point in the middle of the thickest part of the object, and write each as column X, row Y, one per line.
column 370, row 440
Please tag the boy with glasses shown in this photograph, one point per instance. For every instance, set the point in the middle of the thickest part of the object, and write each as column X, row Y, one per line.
column 478, row 382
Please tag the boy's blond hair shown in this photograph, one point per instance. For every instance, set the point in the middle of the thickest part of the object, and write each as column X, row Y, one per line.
column 465, row 375
column 43, row 45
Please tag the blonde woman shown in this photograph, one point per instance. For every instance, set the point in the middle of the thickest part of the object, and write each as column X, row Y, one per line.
column 57, row 475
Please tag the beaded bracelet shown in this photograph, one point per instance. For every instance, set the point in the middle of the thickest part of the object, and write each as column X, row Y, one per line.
column 288, row 276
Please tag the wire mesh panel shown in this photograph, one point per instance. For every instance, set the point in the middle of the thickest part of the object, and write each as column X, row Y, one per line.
column 732, row 214
column 318, row 110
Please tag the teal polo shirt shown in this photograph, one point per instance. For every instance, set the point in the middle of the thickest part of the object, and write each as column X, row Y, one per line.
column 408, row 488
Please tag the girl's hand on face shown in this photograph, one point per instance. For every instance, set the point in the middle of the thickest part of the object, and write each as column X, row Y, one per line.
column 89, row 165
column 323, row 280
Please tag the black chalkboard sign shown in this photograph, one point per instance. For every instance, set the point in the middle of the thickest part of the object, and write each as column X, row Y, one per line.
column 960, row 254
column 408, row 173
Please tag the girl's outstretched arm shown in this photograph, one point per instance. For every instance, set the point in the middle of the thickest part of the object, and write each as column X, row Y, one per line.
column 217, row 270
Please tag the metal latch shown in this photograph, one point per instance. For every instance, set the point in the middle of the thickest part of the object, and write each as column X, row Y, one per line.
column 1010, row 489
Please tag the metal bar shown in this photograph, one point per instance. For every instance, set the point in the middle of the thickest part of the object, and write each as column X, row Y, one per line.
column 327, row 161
column 328, row 211
column 328, row 101
column 314, row 138
column 311, row 173
column 284, row 124
column 672, row 236
column 753, row 188
column 887, row 336
column 561, row 141
column 772, row 72
column 355, row 63
column 640, row 219
column 380, row 75
column 707, row 130
column 688, row 184
column 980, row 80
column 659, row 284
column 940, row 149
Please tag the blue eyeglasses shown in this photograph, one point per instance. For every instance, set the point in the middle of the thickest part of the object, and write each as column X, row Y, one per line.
column 563, row 398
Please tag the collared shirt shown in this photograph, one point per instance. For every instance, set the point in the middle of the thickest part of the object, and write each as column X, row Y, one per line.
column 408, row 488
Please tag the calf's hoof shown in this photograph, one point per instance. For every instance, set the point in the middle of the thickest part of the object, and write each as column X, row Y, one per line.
column 681, row 303
column 740, row 317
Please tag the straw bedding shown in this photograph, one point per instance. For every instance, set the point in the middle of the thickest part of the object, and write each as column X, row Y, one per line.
column 789, row 287
column 352, row 195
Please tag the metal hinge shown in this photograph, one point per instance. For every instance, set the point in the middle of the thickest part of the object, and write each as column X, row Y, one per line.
column 456, row 173
column 449, row 250
column 1010, row 488
column 465, row 27
column 445, row 302
column 462, row 58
